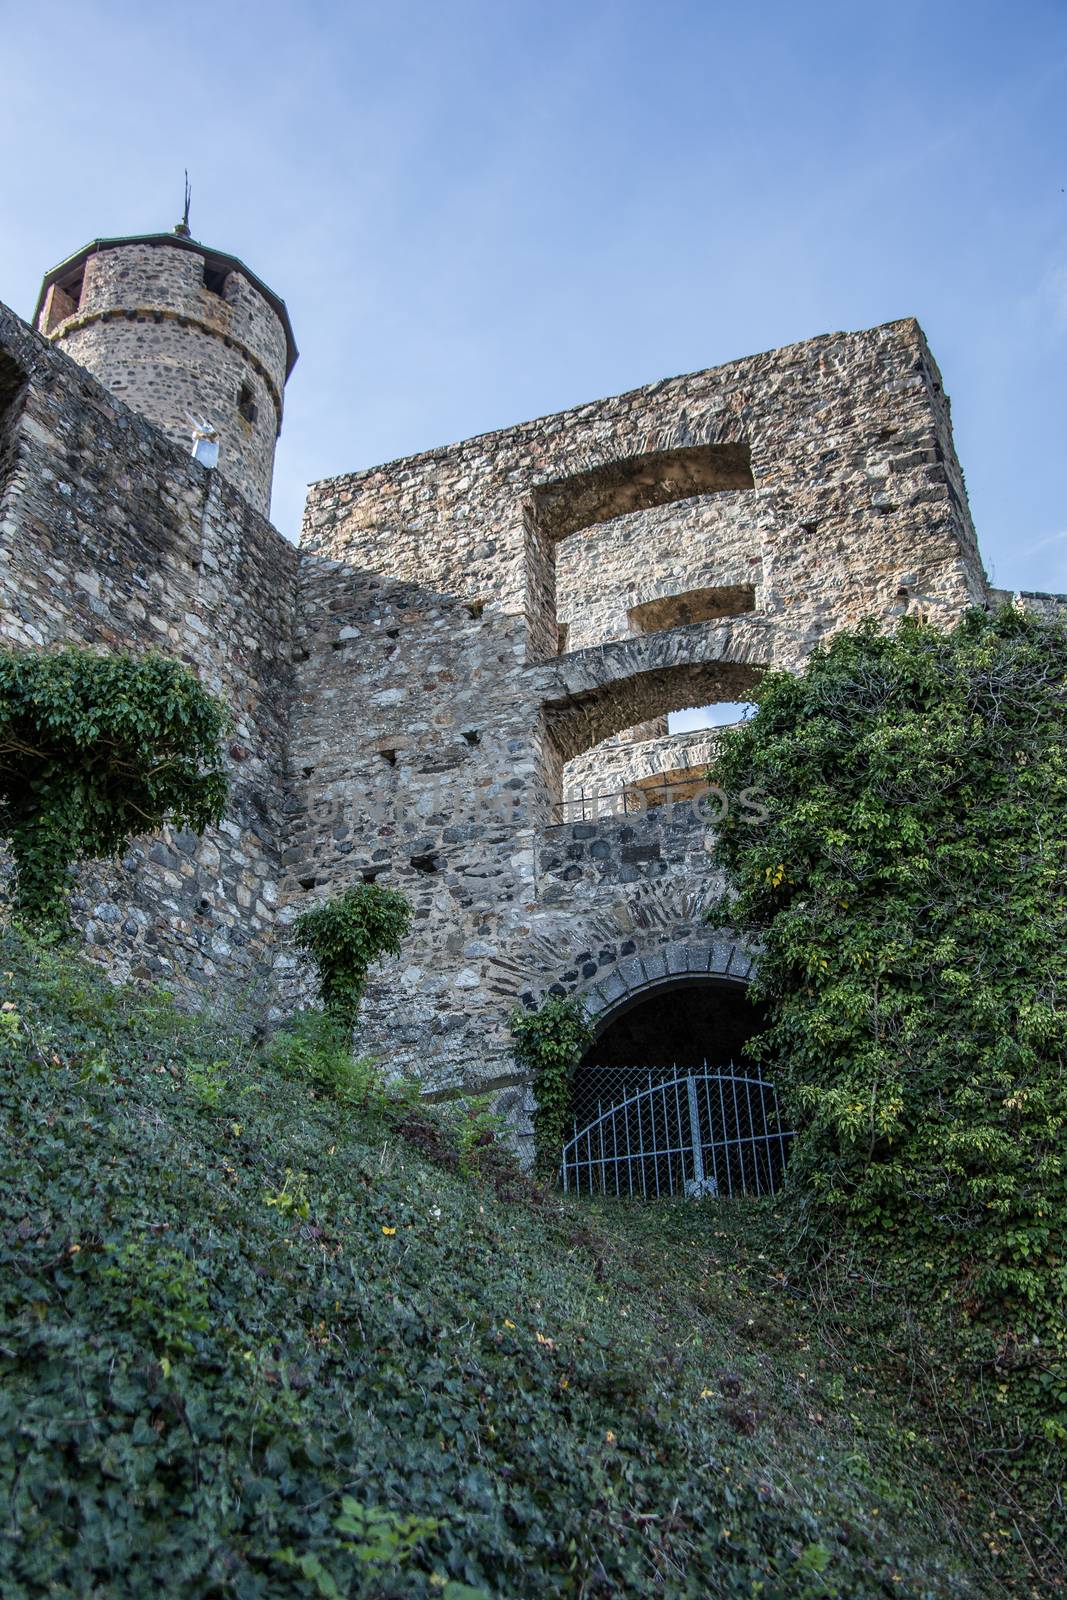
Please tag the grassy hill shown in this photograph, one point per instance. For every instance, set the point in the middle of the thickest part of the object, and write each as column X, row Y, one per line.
column 270, row 1336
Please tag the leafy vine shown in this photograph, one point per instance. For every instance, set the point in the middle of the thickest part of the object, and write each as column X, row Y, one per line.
column 549, row 1042
column 94, row 750
column 344, row 935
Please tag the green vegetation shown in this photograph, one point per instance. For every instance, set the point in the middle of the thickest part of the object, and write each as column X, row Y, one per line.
column 271, row 1331
column 344, row 935
column 907, row 891
column 549, row 1043
column 95, row 749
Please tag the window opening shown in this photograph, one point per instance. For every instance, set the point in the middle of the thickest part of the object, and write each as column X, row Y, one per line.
column 246, row 403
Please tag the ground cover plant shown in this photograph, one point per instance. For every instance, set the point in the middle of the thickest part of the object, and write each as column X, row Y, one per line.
column 907, row 895
column 94, row 750
column 269, row 1331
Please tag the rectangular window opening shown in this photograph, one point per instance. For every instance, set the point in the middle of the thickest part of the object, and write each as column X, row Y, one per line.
column 215, row 280
column 12, row 387
column 246, row 403
column 61, row 302
column 602, row 498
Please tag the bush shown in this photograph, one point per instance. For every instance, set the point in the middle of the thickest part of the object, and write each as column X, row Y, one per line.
column 907, row 890
column 344, row 935
column 314, row 1049
column 94, row 750
column 549, row 1043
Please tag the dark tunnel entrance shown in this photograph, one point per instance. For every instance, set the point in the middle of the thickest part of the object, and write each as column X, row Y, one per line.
column 682, row 1024
column 667, row 1101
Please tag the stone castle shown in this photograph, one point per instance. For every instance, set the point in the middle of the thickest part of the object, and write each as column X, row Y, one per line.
column 459, row 683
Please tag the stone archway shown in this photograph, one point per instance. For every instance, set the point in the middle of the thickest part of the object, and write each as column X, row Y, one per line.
column 669, row 1081
column 665, row 966
column 658, row 970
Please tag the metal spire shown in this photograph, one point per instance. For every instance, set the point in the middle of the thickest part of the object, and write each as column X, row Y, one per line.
column 182, row 228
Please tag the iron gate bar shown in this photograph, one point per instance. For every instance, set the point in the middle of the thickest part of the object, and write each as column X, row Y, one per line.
column 602, row 1156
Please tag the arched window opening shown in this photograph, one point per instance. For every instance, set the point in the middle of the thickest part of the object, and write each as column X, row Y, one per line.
column 615, row 751
column 683, row 505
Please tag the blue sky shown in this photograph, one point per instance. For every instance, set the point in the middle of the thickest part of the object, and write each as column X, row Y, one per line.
column 481, row 212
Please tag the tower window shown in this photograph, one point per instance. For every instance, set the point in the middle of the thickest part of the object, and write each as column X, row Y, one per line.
column 246, row 403
column 215, row 280
column 63, row 301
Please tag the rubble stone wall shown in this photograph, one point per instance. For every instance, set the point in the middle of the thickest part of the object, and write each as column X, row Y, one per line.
column 461, row 635
column 595, row 782
column 111, row 536
column 434, row 712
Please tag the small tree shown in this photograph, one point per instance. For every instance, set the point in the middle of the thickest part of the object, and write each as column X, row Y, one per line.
column 94, row 750
column 550, row 1042
column 343, row 936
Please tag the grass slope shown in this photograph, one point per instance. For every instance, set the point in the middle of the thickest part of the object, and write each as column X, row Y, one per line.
column 258, row 1341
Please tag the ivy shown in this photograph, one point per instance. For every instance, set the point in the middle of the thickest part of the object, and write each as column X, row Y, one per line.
column 268, row 1348
column 549, row 1043
column 907, row 891
column 94, row 750
column 344, row 935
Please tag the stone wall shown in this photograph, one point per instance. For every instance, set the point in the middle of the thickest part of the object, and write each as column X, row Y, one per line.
column 616, row 567
column 753, row 509
column 148, row 327
column 635, row 774
column 111, row 536
column 406, row 710
column 1049, row 606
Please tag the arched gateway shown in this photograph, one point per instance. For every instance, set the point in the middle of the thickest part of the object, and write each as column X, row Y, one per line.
column 665, row 1101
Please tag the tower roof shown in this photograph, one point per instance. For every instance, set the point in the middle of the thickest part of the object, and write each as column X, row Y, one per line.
column 68, row 272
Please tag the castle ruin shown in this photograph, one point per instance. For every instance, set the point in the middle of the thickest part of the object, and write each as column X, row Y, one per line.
column 459, row 683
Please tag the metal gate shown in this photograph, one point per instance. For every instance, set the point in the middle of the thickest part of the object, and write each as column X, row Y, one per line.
column 694, row 1133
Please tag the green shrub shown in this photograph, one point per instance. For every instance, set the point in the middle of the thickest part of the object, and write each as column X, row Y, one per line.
column 549, row 1043
column 344, row 935
column 314, row 1048
column 94, row 750
column 907, row 892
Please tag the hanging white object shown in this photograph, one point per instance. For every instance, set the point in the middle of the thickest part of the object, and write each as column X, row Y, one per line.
column 205, row 443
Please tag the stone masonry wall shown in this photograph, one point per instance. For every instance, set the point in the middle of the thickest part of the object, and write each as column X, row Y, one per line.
column 462, row 634
column 434, row 713
column 617, row 772
column 111, row 536
column 151, row 331
column 612, row 567
column 1052, row 607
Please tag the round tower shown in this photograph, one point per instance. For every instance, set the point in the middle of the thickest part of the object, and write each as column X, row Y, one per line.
column 185, row 335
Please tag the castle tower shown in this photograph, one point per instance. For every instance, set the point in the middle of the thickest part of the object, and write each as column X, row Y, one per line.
column 186, row 336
